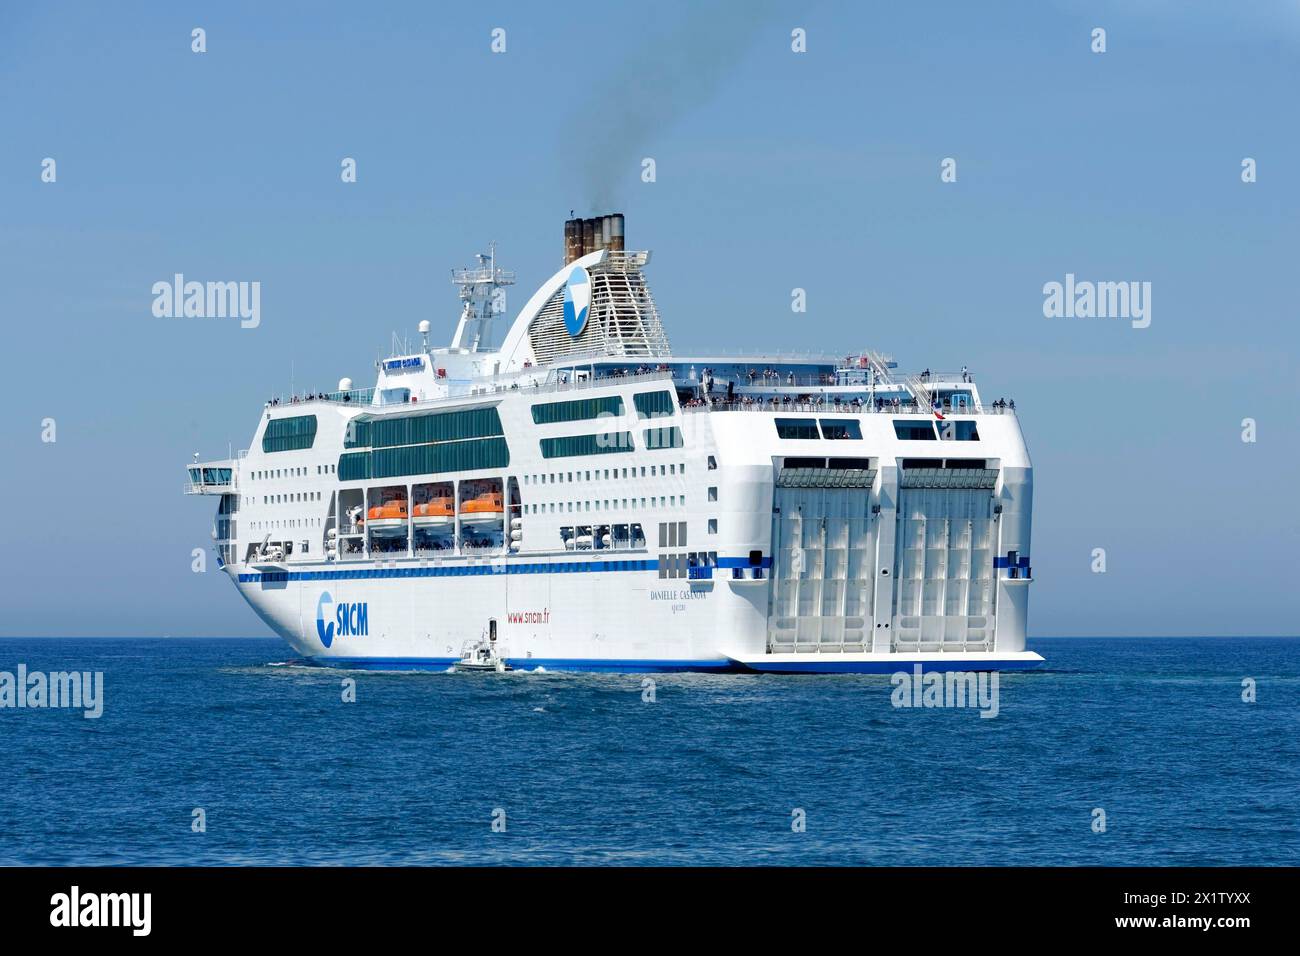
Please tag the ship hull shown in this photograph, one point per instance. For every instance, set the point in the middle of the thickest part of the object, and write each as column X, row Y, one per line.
column 572, row 615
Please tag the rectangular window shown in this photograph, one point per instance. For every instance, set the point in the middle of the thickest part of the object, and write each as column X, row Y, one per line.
column 713, row 494
column 801, row 428
column 289, row 434
column 574, row 445
column 713, row 526
column 548, row 413
column 354, row 466
column 681, row 534
column 841, row 428
column 357, row 433
column 912, row 430
column 658, row 438
column 653, row 404
column 950, row 430
column 488, row 453
column 434, row 459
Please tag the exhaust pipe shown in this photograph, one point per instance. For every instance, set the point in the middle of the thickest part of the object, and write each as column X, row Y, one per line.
column 585, row 236
column 572, row 240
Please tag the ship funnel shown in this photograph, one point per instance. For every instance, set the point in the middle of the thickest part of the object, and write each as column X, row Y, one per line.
column 585, row 236
column 572, row 240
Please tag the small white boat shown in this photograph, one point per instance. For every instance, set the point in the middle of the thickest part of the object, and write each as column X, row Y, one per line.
column 483, row 656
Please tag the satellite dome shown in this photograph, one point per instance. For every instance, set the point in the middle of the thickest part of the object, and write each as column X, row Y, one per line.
column 345, row 384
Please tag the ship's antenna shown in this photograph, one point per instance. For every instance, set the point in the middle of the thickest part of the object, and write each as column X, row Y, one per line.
column 482, row 290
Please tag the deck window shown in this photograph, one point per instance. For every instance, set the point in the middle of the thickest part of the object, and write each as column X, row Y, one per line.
column 570, row 446
column 950, row 430
column 289, row 434
column 653, row 404
column 803, row 428
column 549, row 413
column 912, row 430
column 657, row 438
column 841, row 428
column 476, row 455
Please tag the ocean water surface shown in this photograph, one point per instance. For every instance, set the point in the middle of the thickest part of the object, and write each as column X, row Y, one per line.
column 713, row 771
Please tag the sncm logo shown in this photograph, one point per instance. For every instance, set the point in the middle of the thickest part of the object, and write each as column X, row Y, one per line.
column 340, row 620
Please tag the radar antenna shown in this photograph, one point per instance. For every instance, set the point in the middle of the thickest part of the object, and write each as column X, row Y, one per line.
column 483, row 290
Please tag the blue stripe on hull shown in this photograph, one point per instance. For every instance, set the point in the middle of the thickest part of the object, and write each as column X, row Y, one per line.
column 597, row 666
column 512, row 565
column 577, row 665
column 386, row 663
column 888, row 667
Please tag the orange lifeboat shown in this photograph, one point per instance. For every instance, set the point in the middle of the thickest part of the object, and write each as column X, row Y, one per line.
column 388, row 517
column 438, row 511
column 489, row 506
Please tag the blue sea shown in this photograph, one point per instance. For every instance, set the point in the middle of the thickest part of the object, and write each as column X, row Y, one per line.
column 713, row 771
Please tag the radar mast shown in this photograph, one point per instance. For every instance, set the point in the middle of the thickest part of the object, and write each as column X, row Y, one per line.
column 483, row 292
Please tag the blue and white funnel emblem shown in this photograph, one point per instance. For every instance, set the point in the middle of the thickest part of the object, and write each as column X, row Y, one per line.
column 577, row 300
column 323, row 630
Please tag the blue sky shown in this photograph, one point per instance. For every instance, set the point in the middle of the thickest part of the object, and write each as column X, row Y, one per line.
column 775, row 171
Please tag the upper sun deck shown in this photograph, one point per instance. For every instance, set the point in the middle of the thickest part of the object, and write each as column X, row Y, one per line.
column 594, row 323
column 766, row 383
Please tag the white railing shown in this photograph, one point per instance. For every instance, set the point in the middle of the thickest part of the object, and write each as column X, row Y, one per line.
column 844, row 408
column 210, row 487
column 587, row 382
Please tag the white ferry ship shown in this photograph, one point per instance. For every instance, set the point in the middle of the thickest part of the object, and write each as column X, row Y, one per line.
column 581, row 498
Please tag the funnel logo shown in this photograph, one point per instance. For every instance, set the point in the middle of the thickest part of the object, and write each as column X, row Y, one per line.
column 325, row 631
column 577, row 300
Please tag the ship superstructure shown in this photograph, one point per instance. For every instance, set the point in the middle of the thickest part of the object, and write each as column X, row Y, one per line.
column 583, row 499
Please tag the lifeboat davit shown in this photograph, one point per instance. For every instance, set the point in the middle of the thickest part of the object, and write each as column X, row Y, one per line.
column 433, row 514
column 487, row 508
column 388, row 518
